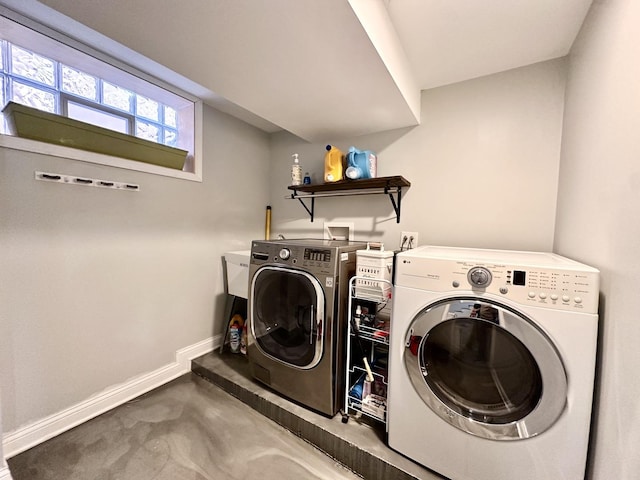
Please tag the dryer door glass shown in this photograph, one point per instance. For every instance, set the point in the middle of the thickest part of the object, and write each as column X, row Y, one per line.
column 481, row 371
column 287, row 314
column 485, row 368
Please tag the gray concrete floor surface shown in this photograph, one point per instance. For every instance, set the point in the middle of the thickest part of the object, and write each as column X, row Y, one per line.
column 360, row 444
column 188, row 429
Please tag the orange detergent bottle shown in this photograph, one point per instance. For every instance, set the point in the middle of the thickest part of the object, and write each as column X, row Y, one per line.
column 333, row 164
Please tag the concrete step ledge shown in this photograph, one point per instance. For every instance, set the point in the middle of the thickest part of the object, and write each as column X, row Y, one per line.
column 359, row 444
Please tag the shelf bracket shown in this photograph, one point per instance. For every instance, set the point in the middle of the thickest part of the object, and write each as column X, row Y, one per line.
column 396, row 206
column 309, row 211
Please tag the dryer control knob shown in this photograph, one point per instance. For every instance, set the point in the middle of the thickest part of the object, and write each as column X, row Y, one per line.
column 285, row 253
column 479, row 277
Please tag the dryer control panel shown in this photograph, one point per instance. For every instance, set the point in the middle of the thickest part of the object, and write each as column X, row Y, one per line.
column 551, row 283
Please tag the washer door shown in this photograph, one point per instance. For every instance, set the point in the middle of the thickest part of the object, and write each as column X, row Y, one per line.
column 287, row 315
column 485, row 368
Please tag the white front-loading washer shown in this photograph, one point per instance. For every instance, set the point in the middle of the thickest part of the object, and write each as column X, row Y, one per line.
column 492, row 362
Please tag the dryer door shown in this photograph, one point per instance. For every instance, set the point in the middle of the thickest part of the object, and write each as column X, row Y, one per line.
column 485, row 368
column 287, row 315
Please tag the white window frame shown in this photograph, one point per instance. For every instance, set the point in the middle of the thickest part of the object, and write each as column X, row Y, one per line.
column 43, row 21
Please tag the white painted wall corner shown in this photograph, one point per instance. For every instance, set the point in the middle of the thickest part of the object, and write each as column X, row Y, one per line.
column 41, row 430
column 5, row 474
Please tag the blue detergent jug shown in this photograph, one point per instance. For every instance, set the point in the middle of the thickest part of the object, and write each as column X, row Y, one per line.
column 360, row 164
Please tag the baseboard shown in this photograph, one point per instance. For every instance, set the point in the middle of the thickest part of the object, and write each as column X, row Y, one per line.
column 39, row 431
column 5, row 474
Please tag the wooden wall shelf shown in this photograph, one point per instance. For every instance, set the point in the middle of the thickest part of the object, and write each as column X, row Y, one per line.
column 371, row 186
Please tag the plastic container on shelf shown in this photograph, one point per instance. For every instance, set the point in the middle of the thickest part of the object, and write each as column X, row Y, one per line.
column 361, row 164
column 296, row 171
column 333, row 164
column 372, row 265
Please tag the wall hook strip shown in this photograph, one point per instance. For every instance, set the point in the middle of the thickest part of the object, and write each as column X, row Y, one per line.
column 87, row 182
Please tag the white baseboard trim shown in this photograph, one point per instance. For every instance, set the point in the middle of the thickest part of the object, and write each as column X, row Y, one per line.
column 22, row 439
column 5, row 474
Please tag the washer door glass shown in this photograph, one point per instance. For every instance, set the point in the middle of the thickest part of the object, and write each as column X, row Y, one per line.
column 485, row 368
column 287, row 314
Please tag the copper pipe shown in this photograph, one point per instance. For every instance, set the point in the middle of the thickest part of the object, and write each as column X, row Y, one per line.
column 267, row 224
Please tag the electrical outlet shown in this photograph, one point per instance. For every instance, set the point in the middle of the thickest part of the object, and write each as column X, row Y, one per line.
column 408, row 240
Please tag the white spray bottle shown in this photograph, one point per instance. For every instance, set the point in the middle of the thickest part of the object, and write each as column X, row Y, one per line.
column 296, row 171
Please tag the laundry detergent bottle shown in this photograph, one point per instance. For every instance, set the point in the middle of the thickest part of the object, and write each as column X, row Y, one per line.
column 236, row 325
column 333, row 164
column 360, row 164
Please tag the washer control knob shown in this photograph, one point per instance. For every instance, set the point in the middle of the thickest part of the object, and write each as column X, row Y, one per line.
column 284, row 254
column 504, row 290
column 565, row 298
column 479, row 277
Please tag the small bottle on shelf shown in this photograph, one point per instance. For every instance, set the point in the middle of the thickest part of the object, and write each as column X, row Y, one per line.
column 356, row 317
column 296, row 171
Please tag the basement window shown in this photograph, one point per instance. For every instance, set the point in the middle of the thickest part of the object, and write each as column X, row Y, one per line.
column 41, row 71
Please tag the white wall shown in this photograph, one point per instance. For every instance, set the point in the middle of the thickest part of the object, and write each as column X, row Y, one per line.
column 5, row 474
column 98, row 286
column 483, row 167
column 599, row 212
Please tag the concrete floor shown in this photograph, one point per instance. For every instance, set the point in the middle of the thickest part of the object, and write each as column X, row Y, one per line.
column 188, row 429
column 359, row 444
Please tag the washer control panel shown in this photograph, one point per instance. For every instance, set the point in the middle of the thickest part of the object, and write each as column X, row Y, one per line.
column 479, row 277
column 575, row 289
column 317, row 259
column 317, row 255
column 284, row 254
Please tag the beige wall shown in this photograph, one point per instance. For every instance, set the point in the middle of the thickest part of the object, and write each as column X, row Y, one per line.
column 4, row 468
column 99, row 286
column 598, row 216
column 483, row 167
column 96, row 289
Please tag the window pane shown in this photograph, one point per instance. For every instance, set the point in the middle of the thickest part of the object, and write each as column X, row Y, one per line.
column 94, row 116
column 3, row 120
column 147, row 131
column 145, row 107
column 170, row 117
column 79, row 83
column 170, row 137
column 2, row 47
column 33, row 97
column 116, row 97
column 32, row 66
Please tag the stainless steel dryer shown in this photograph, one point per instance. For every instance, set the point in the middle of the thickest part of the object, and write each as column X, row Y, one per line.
column 297, row 312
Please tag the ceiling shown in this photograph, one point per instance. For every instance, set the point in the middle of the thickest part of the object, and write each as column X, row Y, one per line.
column 449, row 41
column 321, row 69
